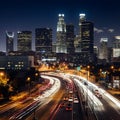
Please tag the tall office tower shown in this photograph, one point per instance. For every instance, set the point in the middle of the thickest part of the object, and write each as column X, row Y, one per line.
column 82, row 18
column 87, row 36
column 103, row 50
column 86, row 39
column 116, row 46
column 24, row 39
column 61, row 46
column 70, row 38
column 77, row 44
column 9, row 41
column 43, row 40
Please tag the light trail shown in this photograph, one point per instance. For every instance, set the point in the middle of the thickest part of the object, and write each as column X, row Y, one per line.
column 55, row 86
column 96, row 101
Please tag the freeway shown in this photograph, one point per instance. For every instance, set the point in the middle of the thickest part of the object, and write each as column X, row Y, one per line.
column 66, row 97
column 22, row 108
column 38, row 101
column 69, row 107
column 49, row 102
column 104, row 105
column 65, row 104
column 95, row 100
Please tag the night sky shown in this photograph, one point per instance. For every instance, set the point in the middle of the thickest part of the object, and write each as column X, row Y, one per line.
column 18, row 15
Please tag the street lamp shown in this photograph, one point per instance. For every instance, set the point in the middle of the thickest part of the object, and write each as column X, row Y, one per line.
column 28, row 80
column 36, row 76
column 88, row 67
column 3, row 78
column 112, row 67
column 1, row 74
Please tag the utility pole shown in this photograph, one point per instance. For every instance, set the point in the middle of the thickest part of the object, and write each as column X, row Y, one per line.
column 88, row 67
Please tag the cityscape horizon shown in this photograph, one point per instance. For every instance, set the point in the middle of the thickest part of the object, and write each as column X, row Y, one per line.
column 99, row 33
column 24, row 15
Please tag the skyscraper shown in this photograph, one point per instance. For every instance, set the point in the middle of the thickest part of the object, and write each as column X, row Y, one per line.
column 103, row 50
column 87, row 37
column 82, row 18
column 70, row 38
column 9, row 41
column 116, row 46
column 24, row 41
column 43, row 40
column 61, row 46
column 77, row 44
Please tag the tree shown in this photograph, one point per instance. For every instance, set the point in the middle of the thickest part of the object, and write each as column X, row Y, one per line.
column 4, row 88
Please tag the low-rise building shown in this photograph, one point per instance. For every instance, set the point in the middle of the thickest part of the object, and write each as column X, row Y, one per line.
column 16, row 62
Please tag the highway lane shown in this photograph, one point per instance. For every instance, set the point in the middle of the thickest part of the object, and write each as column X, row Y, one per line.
column 9, row 109
column 109, row 112
column 20, row 105
column 49, row 106
column 39, row 100
column 74, row 114
column 105, row 108
column 50, row 109
column 70, row 92
column 61, row 112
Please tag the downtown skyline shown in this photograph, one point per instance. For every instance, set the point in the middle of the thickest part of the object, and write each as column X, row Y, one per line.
column 29, row 15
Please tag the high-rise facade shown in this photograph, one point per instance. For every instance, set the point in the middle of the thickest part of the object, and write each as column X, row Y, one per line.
column 78, row 39
column 87, row 34
column 86, row 39
column 70, row 38
column 77, row 44
column 43, row 40
column 82, row 18
column 116, row 49
column 103, row 49
column 9, row 41
column 61, row 46
column 116, row 46
column 24, row 39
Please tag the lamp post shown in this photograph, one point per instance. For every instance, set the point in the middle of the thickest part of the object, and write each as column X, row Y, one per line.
column 88, row 72
column 111, row 72
column 28, row 80
column 88, row 67
column 112, row 67
column 36, row 77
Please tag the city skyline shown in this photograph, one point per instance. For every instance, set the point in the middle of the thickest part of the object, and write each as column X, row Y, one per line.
column 29, row 15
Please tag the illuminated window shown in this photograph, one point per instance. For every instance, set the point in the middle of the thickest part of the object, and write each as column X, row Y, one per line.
column 86, row 33
column 8, row 65
column 16, row 65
